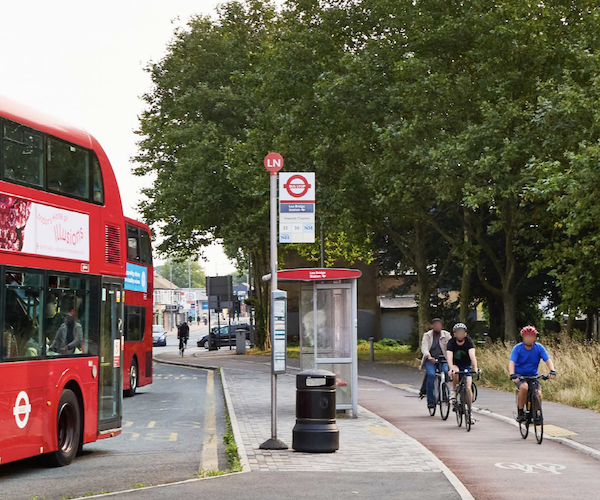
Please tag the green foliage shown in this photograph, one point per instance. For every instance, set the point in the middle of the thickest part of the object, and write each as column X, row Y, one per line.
column 181, row 275
column 454, row 140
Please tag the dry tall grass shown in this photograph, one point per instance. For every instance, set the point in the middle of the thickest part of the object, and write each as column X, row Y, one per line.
column 577, row 383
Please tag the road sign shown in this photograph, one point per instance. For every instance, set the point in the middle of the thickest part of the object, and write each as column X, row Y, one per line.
column 297, row 207
column 298, row 187
column 273, row 163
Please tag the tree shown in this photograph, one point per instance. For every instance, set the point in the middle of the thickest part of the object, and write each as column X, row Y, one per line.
column 209, row 184
column 180, row 273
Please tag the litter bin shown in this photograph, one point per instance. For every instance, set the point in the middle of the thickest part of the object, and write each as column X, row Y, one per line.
column 240, row 341
column 315, row 430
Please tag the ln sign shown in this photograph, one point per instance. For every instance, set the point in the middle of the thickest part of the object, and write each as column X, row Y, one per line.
column 273, row 163
column 297, row 207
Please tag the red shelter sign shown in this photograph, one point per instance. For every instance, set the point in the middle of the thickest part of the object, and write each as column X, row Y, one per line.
column 318, row 274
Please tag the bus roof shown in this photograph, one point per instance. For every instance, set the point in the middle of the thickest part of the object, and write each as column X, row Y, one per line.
column 133, row 222
column 43, row 122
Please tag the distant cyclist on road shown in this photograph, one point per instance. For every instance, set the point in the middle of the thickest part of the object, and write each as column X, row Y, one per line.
column 183, row 334
column 524, row 362
column 461, row 356
column 433, row 346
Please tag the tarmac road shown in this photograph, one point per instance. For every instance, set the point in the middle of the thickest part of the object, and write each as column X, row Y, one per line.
column 167, row 433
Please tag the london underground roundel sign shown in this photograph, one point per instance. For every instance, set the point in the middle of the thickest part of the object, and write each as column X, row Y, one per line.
column 297, row 186
column 273, row 162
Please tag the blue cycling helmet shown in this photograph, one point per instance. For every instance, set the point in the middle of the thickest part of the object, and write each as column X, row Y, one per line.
column 459, row 326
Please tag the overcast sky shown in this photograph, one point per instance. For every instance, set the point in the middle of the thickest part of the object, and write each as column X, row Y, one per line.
column 83, row 61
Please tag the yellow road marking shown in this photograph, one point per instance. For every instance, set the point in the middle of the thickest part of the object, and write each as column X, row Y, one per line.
column 381, row 431
column 134, row 436
column 555, row 431
column 151, row 424
column 210, row 457
column 157, row 436
column 128, row 424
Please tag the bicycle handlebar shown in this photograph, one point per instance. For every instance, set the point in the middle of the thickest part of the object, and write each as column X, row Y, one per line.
column 537, row 377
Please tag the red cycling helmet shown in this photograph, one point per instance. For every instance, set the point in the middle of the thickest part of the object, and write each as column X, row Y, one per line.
column 529, row 330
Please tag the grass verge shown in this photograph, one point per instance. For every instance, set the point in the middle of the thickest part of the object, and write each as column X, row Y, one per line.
column 577, row 383
column 577, row 364
column 385, row 352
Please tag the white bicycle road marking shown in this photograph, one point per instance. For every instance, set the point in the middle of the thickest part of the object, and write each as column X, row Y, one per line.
column 529, row 469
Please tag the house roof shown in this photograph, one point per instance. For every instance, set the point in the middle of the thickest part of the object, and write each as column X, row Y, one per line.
column 162, row 283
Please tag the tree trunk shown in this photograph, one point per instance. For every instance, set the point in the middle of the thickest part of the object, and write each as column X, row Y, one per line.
column 570, row 323
column 510, row 316
column 589, row 324
column 261, row 307
column 423, row 281
column 496, row 313
column 465, row 298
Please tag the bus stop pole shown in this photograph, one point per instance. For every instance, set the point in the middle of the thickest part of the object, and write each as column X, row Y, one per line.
column 273, row 443
column 273, row 287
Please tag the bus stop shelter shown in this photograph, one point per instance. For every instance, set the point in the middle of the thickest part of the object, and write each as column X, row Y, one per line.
column 328, row 326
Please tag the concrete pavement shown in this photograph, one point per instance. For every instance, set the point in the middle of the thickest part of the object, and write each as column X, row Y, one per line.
column 305, row 486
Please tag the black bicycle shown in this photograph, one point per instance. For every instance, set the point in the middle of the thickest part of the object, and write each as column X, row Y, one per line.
column 182, row 345
column 441, row 391
column 463, row 405
column 533, row 409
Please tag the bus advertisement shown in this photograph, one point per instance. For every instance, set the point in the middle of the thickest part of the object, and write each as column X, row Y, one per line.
column 62, row 274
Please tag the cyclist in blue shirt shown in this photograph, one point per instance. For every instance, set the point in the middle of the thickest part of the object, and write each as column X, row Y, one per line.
column 524, row 362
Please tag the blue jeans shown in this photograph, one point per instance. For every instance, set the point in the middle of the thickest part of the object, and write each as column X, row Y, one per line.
column 430, row 369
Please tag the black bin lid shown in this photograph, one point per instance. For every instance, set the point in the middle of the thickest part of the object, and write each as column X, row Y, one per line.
column 315, row 379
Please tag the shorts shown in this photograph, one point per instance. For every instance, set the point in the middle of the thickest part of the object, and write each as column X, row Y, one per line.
column 536, row 383
column 463, row 368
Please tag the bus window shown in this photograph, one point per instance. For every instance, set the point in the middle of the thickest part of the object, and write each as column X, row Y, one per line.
column 23, row 154
column 68, row 169
column 135, row 323
column 97, row 184
column 70, row 318
column 133, row 249
column 23, row 313
column 145, row 248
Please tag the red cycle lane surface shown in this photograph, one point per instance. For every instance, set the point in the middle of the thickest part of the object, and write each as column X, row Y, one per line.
column 546, row 471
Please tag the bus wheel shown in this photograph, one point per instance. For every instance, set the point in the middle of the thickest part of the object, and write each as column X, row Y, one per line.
column 68, row 430
column 133, row 379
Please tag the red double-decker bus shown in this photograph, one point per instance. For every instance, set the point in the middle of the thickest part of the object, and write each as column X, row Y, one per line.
column 62, row 272
column 139, row 291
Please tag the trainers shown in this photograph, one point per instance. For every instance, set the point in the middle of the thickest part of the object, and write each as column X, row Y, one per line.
column 521, row 417
column 430, row 405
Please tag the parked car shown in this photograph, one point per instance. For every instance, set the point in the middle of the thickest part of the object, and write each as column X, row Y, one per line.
column 224, row 336
column 159, row 336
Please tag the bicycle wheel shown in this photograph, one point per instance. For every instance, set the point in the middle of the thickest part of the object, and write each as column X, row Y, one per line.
column 445, row 402
column 474, row 389
column 436, row 397
column 524, row 427
column 538, row 418
column 467, row 408
column 459, row 409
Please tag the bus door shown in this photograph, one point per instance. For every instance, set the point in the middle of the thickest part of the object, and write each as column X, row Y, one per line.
column 111, row 332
